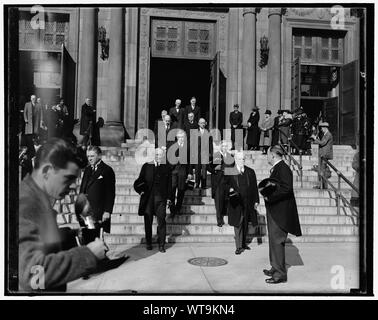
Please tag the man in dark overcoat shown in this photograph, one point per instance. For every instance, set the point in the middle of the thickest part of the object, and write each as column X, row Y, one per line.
column 236, row 120
column 154, row 186
column 177, row 114
column 98, row 183
column 275, row 131
column 243, row 185
column 282, row 215
column 221, row 161
column 193, row 108
column 253, row 137
column 178, row 157
column 87, row 121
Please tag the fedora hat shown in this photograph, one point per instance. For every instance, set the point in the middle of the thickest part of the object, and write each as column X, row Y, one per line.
column 268, row 186
column 323, row 124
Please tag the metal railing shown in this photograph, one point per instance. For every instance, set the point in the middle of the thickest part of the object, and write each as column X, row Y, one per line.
column 290, row 156
column 339, row 196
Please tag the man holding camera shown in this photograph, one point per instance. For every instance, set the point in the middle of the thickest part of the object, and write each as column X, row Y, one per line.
column 43, row 264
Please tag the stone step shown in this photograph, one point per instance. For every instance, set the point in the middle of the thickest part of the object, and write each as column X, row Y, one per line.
column 212, row 229
column 114, row 240
column 210, row 219
column 202, row 229
column 302, row 210
column 126, row 174
column 308, row 182
column 198, row 201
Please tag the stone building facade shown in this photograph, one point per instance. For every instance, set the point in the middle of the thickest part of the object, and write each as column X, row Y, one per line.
column 273, row 58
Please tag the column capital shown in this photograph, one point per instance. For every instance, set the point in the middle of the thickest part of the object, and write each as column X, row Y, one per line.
column 276, row 11
column 251, row 10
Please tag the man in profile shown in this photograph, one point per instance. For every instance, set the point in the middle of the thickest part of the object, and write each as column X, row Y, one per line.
column 43, row 265
column 282, row 215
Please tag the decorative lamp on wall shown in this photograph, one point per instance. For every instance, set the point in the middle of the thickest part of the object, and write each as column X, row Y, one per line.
column 104, row 43
column 264, row 51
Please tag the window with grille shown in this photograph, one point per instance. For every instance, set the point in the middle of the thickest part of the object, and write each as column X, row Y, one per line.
column 184, row 39
column 51, row 37
column 318, row 46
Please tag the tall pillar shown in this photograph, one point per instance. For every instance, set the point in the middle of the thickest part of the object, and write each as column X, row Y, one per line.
column 232, row 62
column 248, row 94
column 131, row 60
column 113, row 133
column 274, row 60
column 87, row 78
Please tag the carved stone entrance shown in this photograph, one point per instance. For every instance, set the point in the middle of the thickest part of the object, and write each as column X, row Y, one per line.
column 220, row 22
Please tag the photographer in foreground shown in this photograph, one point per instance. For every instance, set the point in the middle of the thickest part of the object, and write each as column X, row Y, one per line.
column 43, row 265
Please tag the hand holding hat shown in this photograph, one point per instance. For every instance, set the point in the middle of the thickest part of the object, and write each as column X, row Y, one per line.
column 268, row 186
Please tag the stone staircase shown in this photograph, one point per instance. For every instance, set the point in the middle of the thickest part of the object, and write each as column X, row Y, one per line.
column 317, row 208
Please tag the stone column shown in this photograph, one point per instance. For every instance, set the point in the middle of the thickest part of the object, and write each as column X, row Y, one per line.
column 274, row 60
column 87, row 53
column 87, row 79
column 113, row 133
column 248, row 94
column 131, row 60
column 232, row 62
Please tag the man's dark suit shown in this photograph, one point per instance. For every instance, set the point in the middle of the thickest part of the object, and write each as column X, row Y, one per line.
column 282, row 217
column 87, row 121
column 218, row 188
column 180, row 172
column 163, row 140
column 154, row 194
column 177, row 117
column 203, row 156
column 196, row 111
column 240, row 213
column 236, row 119
column 189, row 126
column 99, row 186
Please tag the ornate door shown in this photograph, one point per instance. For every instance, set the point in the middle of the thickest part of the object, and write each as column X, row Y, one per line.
column 349, row 106
column 296, row 83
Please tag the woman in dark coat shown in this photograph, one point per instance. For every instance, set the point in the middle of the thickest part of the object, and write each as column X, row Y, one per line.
column 253, row 137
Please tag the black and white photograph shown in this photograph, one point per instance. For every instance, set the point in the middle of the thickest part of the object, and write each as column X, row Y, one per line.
column 188, row 149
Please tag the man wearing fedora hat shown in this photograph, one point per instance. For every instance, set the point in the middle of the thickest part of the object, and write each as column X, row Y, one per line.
column 281, row 213
column 325, row 150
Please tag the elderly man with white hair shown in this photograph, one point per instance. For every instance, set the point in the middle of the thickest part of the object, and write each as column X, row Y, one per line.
column 177, row 114
column 243, row 200
column 178, row 157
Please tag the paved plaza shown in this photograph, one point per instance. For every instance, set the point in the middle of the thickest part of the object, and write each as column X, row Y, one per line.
column 312, row 268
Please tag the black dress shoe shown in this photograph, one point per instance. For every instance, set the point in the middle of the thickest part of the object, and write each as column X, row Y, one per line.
column 162, row 249
column 149, row 246
column 238, row 251
column 268, row 273
column 275, row 281
column 246, row 247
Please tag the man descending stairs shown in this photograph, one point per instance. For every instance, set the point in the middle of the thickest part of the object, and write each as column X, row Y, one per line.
column 317, row 208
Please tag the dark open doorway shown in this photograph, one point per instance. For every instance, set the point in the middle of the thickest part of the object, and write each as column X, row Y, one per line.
column 172, row 79
column 312, row 107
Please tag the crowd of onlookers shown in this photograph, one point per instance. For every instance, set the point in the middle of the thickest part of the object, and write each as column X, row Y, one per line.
column 39, row 122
